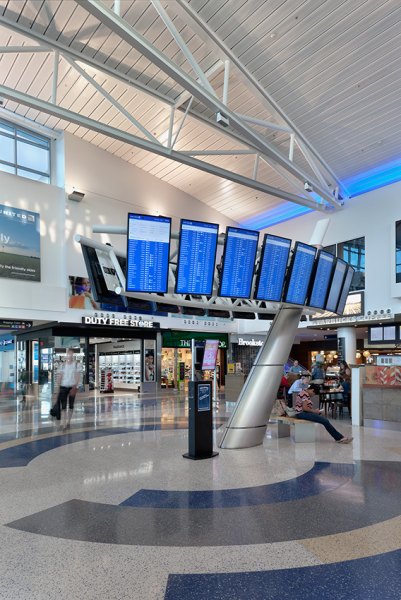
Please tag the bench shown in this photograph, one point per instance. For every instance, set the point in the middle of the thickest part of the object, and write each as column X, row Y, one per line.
column 304, row 431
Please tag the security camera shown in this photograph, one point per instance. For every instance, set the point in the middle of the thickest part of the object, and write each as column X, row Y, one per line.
column 308, row 187
column 222, row 119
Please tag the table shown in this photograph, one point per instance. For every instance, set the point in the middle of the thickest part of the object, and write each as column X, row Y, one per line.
column 330, row 399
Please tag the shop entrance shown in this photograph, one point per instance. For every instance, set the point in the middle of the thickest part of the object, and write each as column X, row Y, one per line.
column 109, row 358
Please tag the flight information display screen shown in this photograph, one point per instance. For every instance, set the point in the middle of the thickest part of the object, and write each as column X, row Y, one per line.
column 321, row 280
column 148, row 251
column 336, row 285
column 303, row 260
column 344, row 292
column 273, row 265
column 196, row 257
column 239, row 260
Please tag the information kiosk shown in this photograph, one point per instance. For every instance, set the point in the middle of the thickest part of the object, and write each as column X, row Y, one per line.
column 200, row 421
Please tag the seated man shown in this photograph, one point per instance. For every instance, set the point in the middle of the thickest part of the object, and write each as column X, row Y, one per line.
column 299, row 384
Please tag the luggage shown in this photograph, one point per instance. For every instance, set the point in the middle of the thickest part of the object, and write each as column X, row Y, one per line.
column 55, row 410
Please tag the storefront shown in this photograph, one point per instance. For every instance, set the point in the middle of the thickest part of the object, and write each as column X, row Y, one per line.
column 243, row 351
column 113, row 353
column 177, row 359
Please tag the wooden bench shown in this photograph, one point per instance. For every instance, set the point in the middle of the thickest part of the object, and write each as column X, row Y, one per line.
column 304, row 431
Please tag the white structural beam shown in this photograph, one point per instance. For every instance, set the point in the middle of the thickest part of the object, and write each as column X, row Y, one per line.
column 182, row 46
column 149, row 51
column 68, row 53
column 210, row 36
column 112, row 100
column 50, row 44
column 18, row 49
column 93, row 125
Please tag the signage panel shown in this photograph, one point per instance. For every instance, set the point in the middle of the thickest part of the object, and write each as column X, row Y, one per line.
column 301, row 267
column 148, row 252
column 196, row 257
column 19, row 244
column 210, row 355
column 273, row 266
column 238, row 263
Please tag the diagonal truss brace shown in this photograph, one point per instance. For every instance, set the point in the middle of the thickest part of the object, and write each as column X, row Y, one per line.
column 70, row 55
column 224, row 52
column 142, row 45
column 123, row 136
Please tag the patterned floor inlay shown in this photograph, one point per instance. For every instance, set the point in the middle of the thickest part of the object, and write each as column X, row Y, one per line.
column 370, row 497
column 374, row 578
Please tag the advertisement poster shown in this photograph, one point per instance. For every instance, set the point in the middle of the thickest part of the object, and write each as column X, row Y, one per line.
column 81, row 294
column 149, row 360
column 19, row 244
column 204, row 397
column 210, row 355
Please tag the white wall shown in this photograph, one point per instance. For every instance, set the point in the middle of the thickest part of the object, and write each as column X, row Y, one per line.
column 39, row 300
column 372, row 215
column 114, row 187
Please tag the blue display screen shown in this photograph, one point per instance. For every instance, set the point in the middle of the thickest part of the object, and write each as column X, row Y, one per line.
column 196, row 258
column 344, row 292
column 239, row 261
column 148, row 251
column 302, row 264
column 336, row 285
column 272, row 268
column 322, row 280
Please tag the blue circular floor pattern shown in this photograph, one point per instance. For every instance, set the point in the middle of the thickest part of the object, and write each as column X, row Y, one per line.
column 372, row 578
column 367, row 496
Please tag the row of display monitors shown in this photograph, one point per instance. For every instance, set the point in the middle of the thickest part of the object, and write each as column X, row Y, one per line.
column 311, row 277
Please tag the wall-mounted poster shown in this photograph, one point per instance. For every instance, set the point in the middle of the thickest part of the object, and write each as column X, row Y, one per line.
column 81, row 294
column 19, row 244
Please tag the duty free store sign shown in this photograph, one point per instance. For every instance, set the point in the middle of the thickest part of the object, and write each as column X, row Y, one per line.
column 117, row 322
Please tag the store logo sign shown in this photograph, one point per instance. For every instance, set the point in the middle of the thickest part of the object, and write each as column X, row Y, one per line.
column 115, row 322
column 252, row 342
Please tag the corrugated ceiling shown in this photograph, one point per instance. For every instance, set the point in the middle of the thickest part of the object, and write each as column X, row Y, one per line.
column 333, row 67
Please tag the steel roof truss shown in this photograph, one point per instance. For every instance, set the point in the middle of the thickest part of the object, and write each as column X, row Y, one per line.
column 141, row 44
column 121, row 135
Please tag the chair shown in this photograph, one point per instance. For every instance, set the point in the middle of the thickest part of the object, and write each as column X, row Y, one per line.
column 346, row 401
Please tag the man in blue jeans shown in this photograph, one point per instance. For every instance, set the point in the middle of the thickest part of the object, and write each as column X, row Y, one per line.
column 305, row 410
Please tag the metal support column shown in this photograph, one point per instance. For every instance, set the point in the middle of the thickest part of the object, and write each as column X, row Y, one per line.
column 247, row 425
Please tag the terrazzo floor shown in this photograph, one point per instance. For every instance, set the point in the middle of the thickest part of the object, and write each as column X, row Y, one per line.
column 109, row 509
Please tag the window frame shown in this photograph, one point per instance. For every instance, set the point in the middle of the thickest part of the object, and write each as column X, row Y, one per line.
column 17, row 135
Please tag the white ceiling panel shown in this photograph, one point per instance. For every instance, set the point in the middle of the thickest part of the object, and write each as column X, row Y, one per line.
column 334, row 69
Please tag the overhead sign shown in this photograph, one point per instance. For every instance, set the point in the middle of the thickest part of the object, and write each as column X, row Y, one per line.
column 10, row 324
column 19, row 244
column 116, row 322
column 252, row 342
column 182, row 339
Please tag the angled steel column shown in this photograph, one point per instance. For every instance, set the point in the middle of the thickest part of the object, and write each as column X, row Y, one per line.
column 247, row 425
